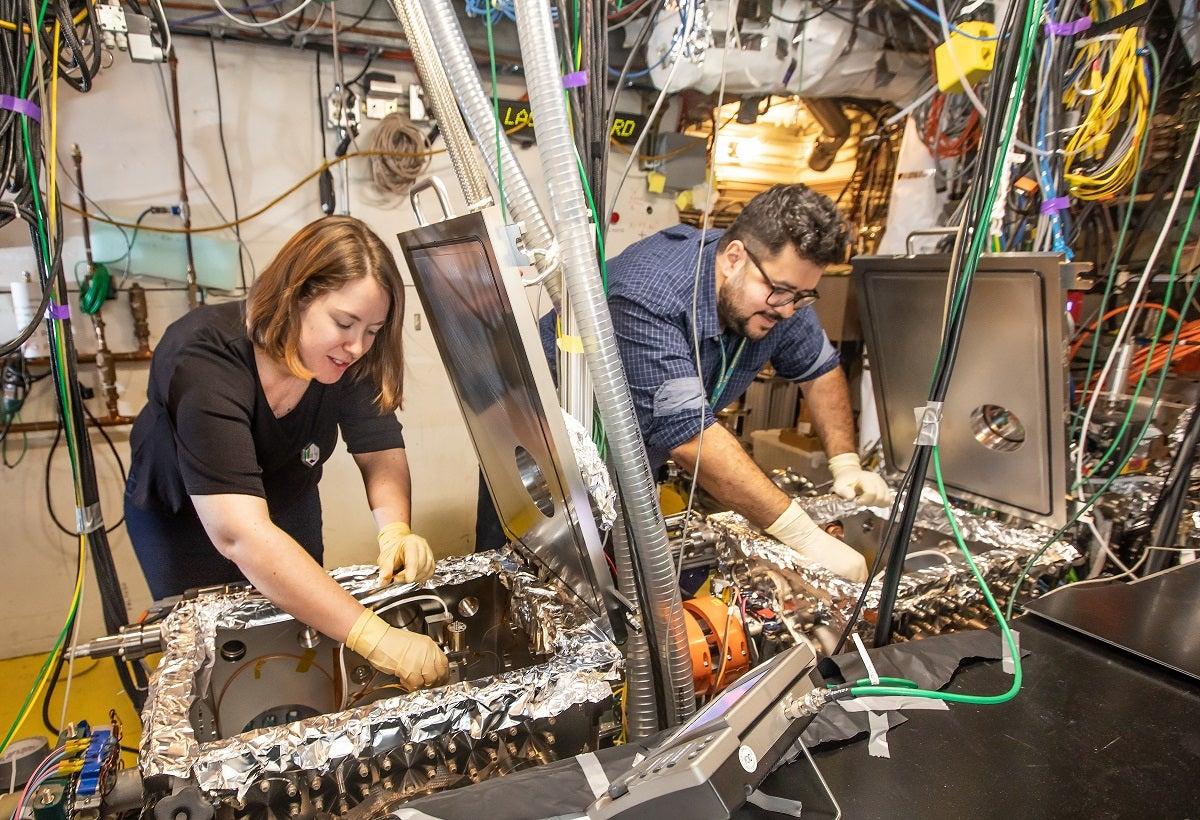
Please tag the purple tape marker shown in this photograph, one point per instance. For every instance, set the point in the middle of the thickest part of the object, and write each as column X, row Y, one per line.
column 1053, row 206
column 1068, row 29
column 58, row 311
column 22, row 106
column 575, row 79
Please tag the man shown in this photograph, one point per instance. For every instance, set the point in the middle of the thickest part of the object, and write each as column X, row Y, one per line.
column 757, row 281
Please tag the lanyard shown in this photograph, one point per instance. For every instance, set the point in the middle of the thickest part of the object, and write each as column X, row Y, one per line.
column 727, row 369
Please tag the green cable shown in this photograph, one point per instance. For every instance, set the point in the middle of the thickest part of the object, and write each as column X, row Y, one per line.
column 1077, row 417
column 91, row 297
column 955, row 697
column 1162, row 320
column 1155, row 82
column 1116, row 473
column 496, row 114
column 22, row 713
column 978, row 241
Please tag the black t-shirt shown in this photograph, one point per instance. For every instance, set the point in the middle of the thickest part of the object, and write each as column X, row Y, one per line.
column 208, row 429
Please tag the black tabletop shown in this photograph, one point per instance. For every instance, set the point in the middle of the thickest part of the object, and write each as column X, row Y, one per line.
column 1095, row 732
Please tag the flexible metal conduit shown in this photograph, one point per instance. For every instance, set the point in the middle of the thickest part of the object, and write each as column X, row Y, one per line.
column 441, row 99
column 641, row 713
column 582, row 279
column 477, row 110
column 575, row 387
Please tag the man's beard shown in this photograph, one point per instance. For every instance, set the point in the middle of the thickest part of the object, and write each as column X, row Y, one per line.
column 739, row 323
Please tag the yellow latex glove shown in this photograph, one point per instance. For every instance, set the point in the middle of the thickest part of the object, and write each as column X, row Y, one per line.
column 404, row 556
column 414, row 659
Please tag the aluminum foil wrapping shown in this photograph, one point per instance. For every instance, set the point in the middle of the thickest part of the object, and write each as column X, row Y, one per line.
column 581, row 663
column 594, row 472
column 830, row 598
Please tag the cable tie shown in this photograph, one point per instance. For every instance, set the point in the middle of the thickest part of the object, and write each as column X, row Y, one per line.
column 58, row 311
column 929, row 423
column 88, row 519
column 1070, row 29
column 576, row 79
column 866, row 659
column 24, row 107
column 1053, row 206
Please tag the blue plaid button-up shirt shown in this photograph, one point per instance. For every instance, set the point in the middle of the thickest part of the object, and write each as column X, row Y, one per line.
column 650, row 298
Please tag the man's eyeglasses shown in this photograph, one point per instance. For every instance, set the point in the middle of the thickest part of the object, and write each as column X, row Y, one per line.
column 781, row 296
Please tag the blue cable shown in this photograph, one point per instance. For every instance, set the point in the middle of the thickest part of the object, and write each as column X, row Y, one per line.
column 935, row 17
column 1047, row 178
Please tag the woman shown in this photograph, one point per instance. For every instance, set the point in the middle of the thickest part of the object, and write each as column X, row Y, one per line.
column 245, row 401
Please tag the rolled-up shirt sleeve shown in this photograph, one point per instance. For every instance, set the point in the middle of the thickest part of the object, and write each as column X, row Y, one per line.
column 363, row 427
column 806, row 352
column 668, row 394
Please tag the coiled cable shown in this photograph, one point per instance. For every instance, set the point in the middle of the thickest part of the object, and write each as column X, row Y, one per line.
column 395, row 173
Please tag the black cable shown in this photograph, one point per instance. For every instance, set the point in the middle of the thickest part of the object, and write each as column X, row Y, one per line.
column 897, row 545
column 237, row 218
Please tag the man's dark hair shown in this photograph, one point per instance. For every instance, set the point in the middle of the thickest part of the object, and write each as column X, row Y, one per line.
column 791, row 214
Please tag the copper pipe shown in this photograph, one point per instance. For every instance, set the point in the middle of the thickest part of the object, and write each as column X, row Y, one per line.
column 105, row 365
column 77, row 155
column 141, row 320
column 193, row 292
column 51, row 426
column 89, row 358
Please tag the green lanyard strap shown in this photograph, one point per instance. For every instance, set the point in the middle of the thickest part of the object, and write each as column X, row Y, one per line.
column 727, row 369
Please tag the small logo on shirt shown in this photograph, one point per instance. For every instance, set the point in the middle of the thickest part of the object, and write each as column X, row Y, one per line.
column 310, row 455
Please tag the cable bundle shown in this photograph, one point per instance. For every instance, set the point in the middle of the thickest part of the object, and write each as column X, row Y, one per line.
column 1108, row 83
column 404, row 154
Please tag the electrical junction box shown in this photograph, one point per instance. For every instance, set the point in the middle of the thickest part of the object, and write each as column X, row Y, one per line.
column 964, row 56
column 682, row 159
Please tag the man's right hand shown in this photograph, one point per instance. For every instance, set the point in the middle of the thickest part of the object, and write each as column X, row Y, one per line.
column 798, row 531
column 414, row 659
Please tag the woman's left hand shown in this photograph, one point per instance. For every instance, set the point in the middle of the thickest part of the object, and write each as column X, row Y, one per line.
column 404, row 556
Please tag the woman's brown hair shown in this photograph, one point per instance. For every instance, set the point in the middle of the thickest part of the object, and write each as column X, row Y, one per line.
column 322, row 257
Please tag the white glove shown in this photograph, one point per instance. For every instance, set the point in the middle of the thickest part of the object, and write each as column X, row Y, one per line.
column 801, row 533
column 415, row 659
column 850, row 480
column 403, row 555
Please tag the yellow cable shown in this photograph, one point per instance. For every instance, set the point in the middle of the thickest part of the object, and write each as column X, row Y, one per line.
column 52, row 177
column 54, row 653
column 271, row 204
column 1115, row 92
column 11, row 26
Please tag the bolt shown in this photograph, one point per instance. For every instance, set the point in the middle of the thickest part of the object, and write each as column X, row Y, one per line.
column 451, row 766
column 293, row 809
column 548, row 737
column 430, row 753
column 314, row 784
column 291, row 790
column 264, row 786
column 363, row 771
column 386, row 764
column 44, row 798
column 361, row 674
column 364, row 789
column 451, row 748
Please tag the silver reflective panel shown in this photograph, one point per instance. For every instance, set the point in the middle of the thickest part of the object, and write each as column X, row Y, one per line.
column 488, row 339
column 1003, row 430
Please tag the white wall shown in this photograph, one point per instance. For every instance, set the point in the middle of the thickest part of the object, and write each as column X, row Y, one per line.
column 272, row 134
